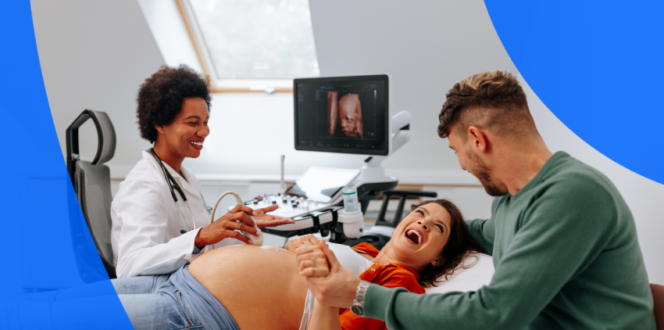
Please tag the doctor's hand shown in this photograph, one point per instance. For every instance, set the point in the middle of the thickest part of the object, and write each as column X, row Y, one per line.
column 226, row 227
column 265, row 220
column 338, row 287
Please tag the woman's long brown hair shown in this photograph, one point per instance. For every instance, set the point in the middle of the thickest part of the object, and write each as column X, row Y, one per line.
column 460, row 245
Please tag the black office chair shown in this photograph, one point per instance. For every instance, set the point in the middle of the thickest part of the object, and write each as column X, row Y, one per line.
column 92, row 185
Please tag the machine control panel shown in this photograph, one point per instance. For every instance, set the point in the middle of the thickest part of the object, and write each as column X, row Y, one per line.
column 323, row 220
column 290, row 206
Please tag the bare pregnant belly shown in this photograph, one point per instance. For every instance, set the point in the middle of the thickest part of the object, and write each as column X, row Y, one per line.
column 259, row 286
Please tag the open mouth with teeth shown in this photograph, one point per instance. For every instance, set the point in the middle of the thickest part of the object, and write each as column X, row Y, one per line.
column 414, row 236
column 196, row 145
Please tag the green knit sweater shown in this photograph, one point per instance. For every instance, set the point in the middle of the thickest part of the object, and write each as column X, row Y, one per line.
column 566, row 256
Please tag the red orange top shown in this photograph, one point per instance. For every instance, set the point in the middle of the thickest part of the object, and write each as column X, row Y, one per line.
column 389, row 276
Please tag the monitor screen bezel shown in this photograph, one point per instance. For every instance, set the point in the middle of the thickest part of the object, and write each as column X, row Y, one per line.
column 384, row 77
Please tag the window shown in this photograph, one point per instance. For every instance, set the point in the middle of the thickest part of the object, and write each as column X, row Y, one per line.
column 252, row 44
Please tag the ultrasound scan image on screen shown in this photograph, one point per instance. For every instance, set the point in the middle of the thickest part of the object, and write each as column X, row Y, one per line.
column 342, row 114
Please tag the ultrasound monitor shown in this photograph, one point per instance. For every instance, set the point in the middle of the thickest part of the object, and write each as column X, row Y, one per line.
column 342, row 114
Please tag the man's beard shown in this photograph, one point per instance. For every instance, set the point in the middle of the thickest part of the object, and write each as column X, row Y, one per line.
column 481, row 171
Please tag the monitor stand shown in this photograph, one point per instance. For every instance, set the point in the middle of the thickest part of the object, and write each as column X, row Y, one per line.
column 372, row 180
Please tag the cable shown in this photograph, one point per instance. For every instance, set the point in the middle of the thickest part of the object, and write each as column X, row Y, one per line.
column 253, row 239
column 173, row 185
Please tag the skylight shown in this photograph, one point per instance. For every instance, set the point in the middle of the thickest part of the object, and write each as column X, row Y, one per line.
column 254, row 40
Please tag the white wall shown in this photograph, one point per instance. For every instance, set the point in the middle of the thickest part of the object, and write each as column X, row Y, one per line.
column 425, row 47
column 93, row 60
column 419, row 83
column 170, row 33
column 94, row 55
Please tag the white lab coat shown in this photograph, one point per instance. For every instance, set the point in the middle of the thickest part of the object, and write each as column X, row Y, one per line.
column 146, row 234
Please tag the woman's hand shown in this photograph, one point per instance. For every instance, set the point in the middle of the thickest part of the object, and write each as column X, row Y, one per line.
column 310, row 256
column 293, row 244
column 264, row 220
column 226, row 227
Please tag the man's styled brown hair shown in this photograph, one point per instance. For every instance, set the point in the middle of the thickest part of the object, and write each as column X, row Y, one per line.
column 491, row 100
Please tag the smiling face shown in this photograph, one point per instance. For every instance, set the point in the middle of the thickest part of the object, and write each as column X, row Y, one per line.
column 185, row 135
column 421, row 236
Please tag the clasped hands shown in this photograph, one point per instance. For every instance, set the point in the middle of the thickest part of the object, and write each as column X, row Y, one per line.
column 332, row 284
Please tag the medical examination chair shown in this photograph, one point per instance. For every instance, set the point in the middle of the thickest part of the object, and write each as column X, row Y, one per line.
column 92, row 186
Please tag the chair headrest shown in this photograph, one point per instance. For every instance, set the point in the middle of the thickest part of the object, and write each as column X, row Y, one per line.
column 105, row 134
column 106, row 137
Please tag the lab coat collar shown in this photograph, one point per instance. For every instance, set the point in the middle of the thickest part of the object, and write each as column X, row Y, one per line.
column 190, row 184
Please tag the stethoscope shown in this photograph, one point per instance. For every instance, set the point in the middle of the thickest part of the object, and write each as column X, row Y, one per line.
column 174, row 186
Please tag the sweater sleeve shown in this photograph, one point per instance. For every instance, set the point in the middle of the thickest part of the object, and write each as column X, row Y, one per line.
column 483, row 231
column 562, row 231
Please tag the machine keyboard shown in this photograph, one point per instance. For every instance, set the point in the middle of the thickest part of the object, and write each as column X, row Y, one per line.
column 310, row 216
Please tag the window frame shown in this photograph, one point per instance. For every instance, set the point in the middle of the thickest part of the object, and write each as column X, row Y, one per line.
column 218, row 85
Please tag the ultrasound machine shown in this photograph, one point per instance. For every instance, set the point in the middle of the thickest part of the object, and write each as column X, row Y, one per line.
column 342, row 115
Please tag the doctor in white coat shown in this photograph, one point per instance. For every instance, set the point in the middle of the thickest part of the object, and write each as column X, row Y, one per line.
column 151, row 232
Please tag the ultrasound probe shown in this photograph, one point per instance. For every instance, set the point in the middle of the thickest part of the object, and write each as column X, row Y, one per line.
column 255, row 240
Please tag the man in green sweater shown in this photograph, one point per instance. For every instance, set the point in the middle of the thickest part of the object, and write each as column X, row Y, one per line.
column 563, row 240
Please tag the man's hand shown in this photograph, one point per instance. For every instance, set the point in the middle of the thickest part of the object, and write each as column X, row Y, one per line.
column 311, row 259
column 264, row 220
column 336, row 289
column 293, row 244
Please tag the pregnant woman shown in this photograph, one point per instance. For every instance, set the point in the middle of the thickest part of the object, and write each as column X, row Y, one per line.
column 250, row 287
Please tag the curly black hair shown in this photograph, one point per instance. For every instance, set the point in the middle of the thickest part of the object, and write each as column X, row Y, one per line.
column 161, row 96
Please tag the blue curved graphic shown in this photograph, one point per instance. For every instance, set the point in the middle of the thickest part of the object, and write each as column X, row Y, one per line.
column 598, row 66
column 46, row 284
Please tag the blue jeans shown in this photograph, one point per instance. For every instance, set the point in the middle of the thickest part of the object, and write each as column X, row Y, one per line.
column 94, row 306
column 152, row 302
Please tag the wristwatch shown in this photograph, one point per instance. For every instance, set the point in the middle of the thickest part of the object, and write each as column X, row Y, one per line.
column 358, row 303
